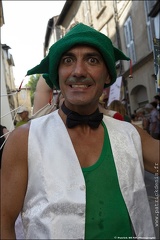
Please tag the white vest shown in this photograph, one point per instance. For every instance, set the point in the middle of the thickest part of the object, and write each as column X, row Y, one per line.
column 54, row 206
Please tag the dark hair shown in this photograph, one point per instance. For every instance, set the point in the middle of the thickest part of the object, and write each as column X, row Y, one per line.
column 133, row 116
column 157, row 97
column 154, row 104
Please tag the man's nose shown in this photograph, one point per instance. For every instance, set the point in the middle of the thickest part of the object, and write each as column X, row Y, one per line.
column 79, row 69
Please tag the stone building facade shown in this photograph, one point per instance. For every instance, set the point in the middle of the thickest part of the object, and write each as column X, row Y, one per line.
column 8, row 91
column 10, row 98
column 131, row 28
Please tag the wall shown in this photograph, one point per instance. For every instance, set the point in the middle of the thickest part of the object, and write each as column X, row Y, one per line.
column 6, row 117
column 112, row 24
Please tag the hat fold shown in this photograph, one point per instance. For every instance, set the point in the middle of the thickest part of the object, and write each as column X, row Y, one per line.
column 43, row 67
column 119, row 55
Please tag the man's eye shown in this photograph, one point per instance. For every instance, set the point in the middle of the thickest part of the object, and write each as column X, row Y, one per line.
column 67, row 60
column 93, row 60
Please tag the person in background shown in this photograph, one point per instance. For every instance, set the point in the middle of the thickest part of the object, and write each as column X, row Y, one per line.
column 154, row 126
column 45, row 101
column 42, row 96
column 117, row 106
column 24, row 115
column 3, row 137
column 59, row 100
column 148, row 108
column 108, row 112
column 140, row 114
column 134, row 118
column 157, row 100
column 142, row 120
column 76, row 173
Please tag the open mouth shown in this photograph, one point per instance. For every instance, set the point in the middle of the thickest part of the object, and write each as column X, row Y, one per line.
column 79, row 86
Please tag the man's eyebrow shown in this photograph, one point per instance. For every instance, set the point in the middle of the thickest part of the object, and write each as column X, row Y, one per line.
column 90, row 54
column 68, row 54
column 95, row 54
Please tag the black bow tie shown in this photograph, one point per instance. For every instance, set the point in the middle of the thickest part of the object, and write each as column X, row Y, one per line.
column 74, row 119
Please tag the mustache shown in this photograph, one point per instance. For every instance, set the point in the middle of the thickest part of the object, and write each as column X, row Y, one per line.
column 85, row 81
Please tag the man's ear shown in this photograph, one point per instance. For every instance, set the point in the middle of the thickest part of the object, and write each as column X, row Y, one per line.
column 108, row 79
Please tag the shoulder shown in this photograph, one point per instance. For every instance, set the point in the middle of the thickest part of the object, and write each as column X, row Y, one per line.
column 44, row 124
column 121, row 128
column 19, row 133
column 45, row 118
column 110, row 121
column 16, row 147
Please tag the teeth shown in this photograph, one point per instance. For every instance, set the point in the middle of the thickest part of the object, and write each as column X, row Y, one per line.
column 79, row 86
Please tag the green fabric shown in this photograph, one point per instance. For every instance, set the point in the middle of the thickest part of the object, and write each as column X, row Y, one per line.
column 106, row 213
column 20, row 123
column 79, row 34
column 127, row 118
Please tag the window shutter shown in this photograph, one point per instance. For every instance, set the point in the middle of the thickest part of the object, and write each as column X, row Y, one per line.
column 129, row 39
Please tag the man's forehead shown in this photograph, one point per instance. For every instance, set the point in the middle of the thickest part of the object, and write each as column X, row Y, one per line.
column 86, row 48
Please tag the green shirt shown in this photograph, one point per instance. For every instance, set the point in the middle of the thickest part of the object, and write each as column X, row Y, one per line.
column 106, row 213
column 21, row 123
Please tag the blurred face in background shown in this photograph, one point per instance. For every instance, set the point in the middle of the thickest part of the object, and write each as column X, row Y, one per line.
column 23, row 115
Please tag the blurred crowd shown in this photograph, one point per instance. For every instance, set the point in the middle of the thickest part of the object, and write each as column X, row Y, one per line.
column 148, row 117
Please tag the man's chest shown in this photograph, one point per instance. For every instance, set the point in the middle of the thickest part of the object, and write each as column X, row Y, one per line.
column 88, row 147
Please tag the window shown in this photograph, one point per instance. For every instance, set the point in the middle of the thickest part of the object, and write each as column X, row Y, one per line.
column 150, row 4
column 156, row 25
column 129, row 39
column 149, row 22
column 104, row 30
column 87, row 13
column 100, row 5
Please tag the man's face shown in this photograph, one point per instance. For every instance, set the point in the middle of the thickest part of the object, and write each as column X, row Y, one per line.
column 82, row 75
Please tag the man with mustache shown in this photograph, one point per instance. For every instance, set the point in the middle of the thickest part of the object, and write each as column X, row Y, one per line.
column 77, row 174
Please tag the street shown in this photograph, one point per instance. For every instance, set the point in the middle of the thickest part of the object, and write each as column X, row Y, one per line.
column 152, row 186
